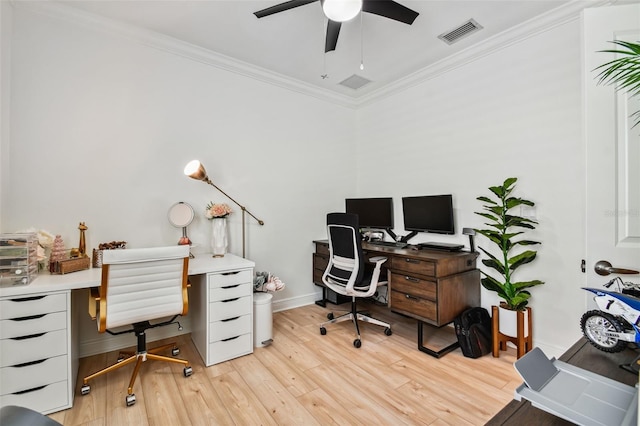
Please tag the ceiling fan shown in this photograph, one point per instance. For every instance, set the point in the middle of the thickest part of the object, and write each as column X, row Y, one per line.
column 334, row 9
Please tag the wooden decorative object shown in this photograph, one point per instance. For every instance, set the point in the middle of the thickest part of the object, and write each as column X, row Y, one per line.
column 523, row 343
column 73, row 265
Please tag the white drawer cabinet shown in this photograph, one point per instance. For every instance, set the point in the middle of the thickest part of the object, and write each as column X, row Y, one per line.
column 222, row 307
column 35, row 352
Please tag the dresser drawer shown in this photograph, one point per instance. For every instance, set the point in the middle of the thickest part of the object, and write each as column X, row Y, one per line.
column 234, row 347
column 49, row 398
column 35, row 324
column 40, row 346
column 19, row 307
column 414, row 306
column 21, row 378
column 221, row 330
column 231, row 308
column 230, row 278
column 416, row 266
column 230, row 292
column 413, row 286
column 322, row 249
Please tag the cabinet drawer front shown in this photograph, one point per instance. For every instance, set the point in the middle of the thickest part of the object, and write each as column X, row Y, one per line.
column 53, row 397
column 20, row 351
column 230, row 278
column 18, row 379
column 413, row 306
column 27, row 326
column 416, row 266
column 423, row 289
column 224, row 350
column 230, row 308
column 230, row 292
column 221, row 330
column 18, row 307
column 322, row 249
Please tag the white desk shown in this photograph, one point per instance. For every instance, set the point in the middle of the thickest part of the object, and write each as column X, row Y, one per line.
column 39, row 338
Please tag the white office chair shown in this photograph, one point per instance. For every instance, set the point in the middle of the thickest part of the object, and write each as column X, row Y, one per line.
column 139, row 286
column 345, row 273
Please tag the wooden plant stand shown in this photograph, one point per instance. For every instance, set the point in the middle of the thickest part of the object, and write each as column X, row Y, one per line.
column 523, row 344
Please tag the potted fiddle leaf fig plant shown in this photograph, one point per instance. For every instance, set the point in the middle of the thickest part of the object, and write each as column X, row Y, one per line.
column 506, row 232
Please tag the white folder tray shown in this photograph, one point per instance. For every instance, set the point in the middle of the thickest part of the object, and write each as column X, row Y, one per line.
column 573, row 393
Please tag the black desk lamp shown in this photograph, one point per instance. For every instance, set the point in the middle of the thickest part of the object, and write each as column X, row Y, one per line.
column 470, row 232
column 195, row 170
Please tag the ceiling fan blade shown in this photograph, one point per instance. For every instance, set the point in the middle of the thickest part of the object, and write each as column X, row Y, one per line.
column 390, row 9
column 282, row 7
column 333, row 30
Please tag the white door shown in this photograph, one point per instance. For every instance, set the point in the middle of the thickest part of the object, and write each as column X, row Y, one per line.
column 613, row 150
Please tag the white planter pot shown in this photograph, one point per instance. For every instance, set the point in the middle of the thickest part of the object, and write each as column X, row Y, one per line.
column 508, row 324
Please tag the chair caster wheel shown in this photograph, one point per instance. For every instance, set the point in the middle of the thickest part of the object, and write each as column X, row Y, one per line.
column 330, row 316
column 388, row 331
column 323, row 331
column 175, row 351
column 187, row 371
column 130, row 400
column 85, row 389
column 357, row 343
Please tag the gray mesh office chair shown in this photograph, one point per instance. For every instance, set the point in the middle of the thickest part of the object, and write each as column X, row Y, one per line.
column 345, row 273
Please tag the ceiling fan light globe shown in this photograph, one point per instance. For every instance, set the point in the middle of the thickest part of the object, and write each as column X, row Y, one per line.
column 341, row 10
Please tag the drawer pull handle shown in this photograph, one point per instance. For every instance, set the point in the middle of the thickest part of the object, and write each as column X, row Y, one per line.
column 411, row 260
column 26, row 364
column 230, row 300
column 231, row 286
column 30, row 390
column 32, row 317
column 231, row 273
column 28, row 299
column 230, row 338
column 408, row 296
column 230, row 319
column 31, row 336
column 413, row 280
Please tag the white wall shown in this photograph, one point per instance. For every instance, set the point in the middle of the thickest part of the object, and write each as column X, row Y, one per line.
column 102, row 126
column 6, row 21
column 513, row 113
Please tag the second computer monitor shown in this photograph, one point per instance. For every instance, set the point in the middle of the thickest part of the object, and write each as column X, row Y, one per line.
column 429, row 213
column 373, row 213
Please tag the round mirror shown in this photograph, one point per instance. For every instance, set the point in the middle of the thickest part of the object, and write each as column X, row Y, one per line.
column 181, row 214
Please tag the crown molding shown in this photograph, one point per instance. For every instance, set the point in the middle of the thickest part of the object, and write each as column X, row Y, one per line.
column 179, row 48
column 537, row 25
column 559, row 16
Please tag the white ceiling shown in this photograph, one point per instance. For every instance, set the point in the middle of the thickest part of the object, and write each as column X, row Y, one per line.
column 291, row 43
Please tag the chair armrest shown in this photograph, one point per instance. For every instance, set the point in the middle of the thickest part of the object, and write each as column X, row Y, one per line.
column 377, row 259
column 94, row 301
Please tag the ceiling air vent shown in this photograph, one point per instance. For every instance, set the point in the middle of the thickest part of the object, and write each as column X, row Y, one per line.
column 354, row 82
column 469, row 27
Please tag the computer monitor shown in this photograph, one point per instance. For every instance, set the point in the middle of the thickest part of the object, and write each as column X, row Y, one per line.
column 375, row 213
column 429, row 213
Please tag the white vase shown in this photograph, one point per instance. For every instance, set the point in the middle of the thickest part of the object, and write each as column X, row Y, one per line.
column 219, row 239
column 509, row 322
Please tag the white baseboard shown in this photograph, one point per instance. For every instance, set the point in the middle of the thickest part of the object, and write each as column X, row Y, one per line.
column 296, row 302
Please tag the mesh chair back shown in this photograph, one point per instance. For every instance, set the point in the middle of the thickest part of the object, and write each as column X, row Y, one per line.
column 143, row 284
column 345, row 248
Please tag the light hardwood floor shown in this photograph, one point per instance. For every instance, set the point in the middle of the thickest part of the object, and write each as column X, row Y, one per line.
column 304, row 378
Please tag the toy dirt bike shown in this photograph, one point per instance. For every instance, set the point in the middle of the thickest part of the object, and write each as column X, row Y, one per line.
column 617, row 321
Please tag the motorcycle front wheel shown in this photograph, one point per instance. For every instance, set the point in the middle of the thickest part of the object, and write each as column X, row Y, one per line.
column 597, row 327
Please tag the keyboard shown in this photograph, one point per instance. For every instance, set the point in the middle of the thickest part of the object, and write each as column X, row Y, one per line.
column 389, row 244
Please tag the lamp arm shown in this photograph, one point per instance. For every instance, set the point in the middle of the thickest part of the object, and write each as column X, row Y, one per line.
column 244, row 209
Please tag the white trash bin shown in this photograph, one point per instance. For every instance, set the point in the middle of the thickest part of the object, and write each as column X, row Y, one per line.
column 262, row 320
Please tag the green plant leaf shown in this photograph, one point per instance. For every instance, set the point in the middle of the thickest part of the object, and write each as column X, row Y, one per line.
column 488, row 216
column 527, row 284
column 525, row 242
column 486, row 200
column 521, row 259
column 508, row 182
column 498, row 190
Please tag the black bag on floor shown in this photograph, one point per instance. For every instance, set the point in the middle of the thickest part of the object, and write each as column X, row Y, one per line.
column 473, row 329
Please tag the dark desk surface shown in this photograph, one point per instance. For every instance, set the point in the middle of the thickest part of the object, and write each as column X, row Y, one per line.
column 583, row 355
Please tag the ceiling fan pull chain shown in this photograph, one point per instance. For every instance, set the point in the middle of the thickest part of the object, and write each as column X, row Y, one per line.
column 361, row 45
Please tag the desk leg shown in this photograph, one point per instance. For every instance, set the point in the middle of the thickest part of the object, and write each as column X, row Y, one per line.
column 431, row 352
column 323, row 302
